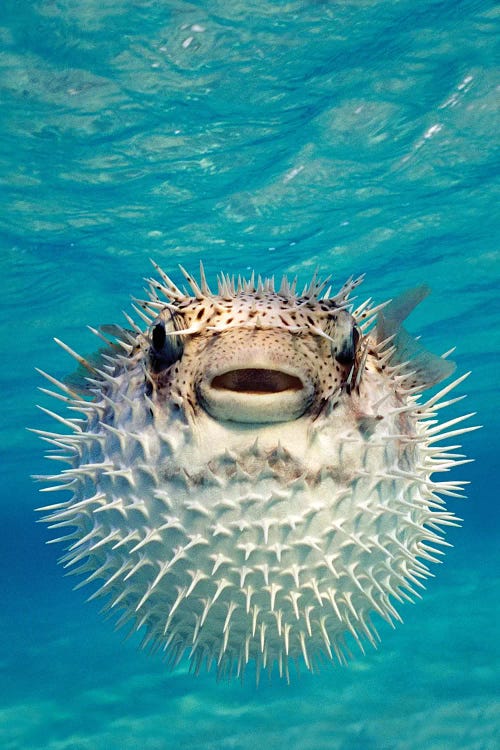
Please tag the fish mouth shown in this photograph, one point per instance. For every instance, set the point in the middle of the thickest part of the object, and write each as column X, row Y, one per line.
column 254, row 380
column 255, row 395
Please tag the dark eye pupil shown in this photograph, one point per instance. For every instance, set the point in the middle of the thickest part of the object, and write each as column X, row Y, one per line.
column 159, row 337
column 347, row 352
column 345, row 356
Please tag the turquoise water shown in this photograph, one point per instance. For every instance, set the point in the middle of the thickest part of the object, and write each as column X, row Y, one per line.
column 357, row 137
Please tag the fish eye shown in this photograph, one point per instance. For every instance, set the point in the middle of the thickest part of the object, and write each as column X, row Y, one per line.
column 159, row 337
column 356, row 334
column 345, row 338
column 166, row 348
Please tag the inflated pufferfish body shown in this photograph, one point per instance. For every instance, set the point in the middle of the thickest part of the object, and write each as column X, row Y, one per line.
column 251, row 478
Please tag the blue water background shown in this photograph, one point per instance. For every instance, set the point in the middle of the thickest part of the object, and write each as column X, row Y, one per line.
column 357, row 137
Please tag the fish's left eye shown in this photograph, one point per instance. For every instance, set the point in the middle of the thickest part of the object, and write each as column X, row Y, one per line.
column 166, row 346
column 345, row 338
column 347, row 352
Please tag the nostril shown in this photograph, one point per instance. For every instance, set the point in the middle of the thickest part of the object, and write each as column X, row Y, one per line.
column 256, row 380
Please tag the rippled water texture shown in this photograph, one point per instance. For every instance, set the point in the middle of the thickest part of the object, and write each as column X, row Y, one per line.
column 354, row 137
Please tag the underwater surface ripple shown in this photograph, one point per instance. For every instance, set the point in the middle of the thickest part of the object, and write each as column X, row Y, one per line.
column 356, row 137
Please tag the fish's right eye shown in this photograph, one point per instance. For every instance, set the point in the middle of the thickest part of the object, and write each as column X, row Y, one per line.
column 166, row 345
column 159, row 337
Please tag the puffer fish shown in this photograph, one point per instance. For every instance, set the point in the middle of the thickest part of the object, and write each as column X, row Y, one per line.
column 251, row 473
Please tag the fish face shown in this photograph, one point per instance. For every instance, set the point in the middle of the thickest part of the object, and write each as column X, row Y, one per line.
column 251, row 482
column 254, row 358
column 252, row 377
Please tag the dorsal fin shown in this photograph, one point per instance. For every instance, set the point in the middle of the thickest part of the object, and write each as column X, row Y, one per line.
column 427, row 368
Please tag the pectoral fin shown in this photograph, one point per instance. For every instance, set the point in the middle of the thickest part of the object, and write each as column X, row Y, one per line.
column 427, row 368
column 78, row 380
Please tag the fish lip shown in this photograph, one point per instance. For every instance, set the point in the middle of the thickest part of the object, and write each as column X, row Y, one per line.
column 256, row 380
column 281, row 394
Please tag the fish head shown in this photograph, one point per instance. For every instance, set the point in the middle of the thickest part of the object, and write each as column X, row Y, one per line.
column 255, row 357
